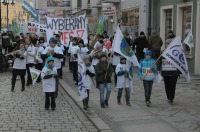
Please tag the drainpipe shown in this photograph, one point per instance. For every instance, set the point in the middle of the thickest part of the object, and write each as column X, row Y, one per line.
column 149, row 18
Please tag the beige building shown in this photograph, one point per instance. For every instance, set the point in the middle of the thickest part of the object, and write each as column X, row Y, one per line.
column 14, row 13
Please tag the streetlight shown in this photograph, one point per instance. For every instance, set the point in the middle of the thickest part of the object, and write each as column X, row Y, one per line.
column 6, row 3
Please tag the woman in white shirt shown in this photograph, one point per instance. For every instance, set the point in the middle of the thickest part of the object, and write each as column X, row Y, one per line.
column 19, row 66
column 30, row 59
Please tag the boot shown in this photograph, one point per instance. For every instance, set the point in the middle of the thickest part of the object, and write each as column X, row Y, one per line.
column 106, row 103
column 119, row 102
column 128, row 102
column 12, row 89
column 84, row 105
column 23, row 88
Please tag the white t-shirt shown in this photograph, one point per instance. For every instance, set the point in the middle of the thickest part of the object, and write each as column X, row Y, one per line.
column 31, row 52
column 20, row 63
column 38, row 55
column 88, row 81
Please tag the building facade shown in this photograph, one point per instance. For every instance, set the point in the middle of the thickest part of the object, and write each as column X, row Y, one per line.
column 181, row 16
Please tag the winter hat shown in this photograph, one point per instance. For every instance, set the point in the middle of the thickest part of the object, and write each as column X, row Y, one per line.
column 98, row 46
column 108, row 45
column 148, row 52
column 53, row 40
column 103, row 55
column 50, row 58
column 142, row 33
column 86, row 58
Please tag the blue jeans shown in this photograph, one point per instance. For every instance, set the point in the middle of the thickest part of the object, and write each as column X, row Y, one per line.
column 102, row 88
column 147, row 89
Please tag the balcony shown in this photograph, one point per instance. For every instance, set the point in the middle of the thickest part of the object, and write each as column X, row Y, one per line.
column 111, row 1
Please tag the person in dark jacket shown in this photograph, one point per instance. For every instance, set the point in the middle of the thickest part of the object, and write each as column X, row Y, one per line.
column 103, row 72
column 140, row 43
column 169, row 72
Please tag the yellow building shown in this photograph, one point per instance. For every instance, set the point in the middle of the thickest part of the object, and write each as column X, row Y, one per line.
column 14, row 13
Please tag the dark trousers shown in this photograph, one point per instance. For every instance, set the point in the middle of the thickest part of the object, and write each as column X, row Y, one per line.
column 155, row 54
column 61, row 72
column 119, row 95
column 115, row 77
column 75, row 70
column 57, row 82
column 147, row 89
column 29, row 79
column 49, row 95
column 39, row 66
column 86, row 100
column 170, row 86
column 70, row 65
column 14, row 77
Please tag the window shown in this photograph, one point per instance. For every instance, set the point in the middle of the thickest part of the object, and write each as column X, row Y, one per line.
column 79, row 3
column 186, row 25
column 168, row 24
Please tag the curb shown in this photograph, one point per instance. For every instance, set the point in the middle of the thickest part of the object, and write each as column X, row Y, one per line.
column 91, row 115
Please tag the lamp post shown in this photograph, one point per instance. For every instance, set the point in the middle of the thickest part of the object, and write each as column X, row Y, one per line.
column 6, row 3
column 1, row 54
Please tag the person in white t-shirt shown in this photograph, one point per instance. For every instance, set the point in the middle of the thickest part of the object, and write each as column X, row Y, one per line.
column 19, row 66
column 30, row 59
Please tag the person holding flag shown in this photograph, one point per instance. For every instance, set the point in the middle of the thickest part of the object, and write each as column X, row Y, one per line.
column 146, row 74
column 49, row 75
column 88, row 79
column 169, row 72
column 123, row 81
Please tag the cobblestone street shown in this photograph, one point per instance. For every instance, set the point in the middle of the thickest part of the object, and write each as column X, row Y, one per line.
column 24, row 111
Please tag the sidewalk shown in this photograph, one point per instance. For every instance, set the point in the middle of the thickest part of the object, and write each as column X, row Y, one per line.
column 182, row 116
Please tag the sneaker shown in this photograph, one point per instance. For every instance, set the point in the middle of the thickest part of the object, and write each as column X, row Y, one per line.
column 12, row 89
column 52, row 108
column 128, row 104
column 106, row 103
column 119, row 102
column 76, row 83
column 103, row 106
column 60, row 77
column 46, row 108
column 170, row 101
column 147, row 103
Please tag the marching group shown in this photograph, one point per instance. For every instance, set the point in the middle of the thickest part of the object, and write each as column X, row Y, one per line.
column 48, row 56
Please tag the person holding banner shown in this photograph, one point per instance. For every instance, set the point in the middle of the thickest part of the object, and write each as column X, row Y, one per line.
column 123, row 81
column 30, row 59
column 104, row 72
column 57, row 53
column 146, row 74
column 19, row 66
column 49, row 75
column 88, row 79
column 169, row 72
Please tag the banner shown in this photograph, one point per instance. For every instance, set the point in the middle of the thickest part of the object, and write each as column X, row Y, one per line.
column 109, row 11
column 102, row 25
column 189, row 40
column 175, row 54
column 82, row 91
column 121, row 47
column 66, row 4
column 30, row 10
column 34, row 74
column 36, row 28
column 76, row 27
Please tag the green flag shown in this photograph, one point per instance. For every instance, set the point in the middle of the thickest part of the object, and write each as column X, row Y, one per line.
column 101, row 26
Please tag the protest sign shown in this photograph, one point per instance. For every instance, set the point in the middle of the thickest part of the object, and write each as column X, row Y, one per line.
column 76, row 27
column 109, row 11
column 36, row 28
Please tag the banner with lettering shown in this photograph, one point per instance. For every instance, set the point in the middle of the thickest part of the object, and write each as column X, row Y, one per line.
column 36, row 28
column 76, row 27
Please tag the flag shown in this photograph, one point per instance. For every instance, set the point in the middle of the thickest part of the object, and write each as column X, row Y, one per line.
column 129, row 68
column 34, row 74
column 30, row 10
column 121, row 46
column 82, row 91
column 101, row 26
column 189, row 40
column 175, row 54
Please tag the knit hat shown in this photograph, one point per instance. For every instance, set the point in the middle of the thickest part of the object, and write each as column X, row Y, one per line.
column 142, row 33
column 86, row 57
column 53, row 40
column 50, row 58
column 103, row 55
column 148, row 52
column 122, row 57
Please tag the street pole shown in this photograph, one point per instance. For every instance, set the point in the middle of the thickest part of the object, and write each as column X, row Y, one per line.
column 1, row 54
column 7, row 15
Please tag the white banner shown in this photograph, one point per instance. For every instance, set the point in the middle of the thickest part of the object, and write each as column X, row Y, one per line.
column 76, row 27
column 82, row 91
column 109, row 11
column 175, row 54
column 36, row 28
column 34, row 75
